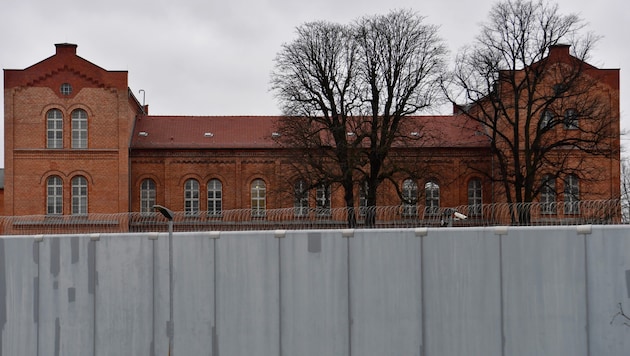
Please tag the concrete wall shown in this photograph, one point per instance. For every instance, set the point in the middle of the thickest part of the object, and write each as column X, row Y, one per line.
column 451, row 291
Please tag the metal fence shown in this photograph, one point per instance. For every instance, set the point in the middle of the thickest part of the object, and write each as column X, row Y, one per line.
column 599, row 212
column 505, row 291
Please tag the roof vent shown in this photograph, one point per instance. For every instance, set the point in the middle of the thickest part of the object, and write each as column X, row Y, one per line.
column 208, row 134
column 275, row 134
column 143, row 133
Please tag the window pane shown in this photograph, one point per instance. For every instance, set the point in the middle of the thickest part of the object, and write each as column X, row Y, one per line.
column 54, row 129
column 410, row 198
column 54, row 196
column 147, row 196
column 79, row 129
column 79, row 196
column 300, row 199
column 548, row 195
column 259, row 198
column 214, row 197
column 191, row 197
column 432, row 194
column 571, row 195
column 570, row 119
column 474, row 197
column 323, row 200
column 363, row 201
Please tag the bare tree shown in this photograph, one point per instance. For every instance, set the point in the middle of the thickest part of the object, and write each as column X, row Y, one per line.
column 534, row 101
column 346, row 92
column 315, row 81
column 400, row 61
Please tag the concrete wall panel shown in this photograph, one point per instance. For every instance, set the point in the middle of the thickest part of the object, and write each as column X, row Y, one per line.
column 461, row 289
column 386, row 293
column 544, row 291
column 314, row 293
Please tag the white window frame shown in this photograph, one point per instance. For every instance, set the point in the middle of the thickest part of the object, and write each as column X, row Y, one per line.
column 432, row 197
column 572, row 195
column 54, row 129
column 548, row 195
column 475, row 197
column 79, row 195
column 191, row 197
column 300, row 199
column 409, row 193
column 258, row 198
column 322, row 198
column 54, row 195
column 215, row 197
column 147, row 196
column 79, row 129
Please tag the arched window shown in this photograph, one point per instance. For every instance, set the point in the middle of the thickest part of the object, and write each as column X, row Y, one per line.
column 363, row 201
column 191, row 197
column 300, row 198
column 474, row 197
column 79, row 196
column 409, row 198
column 54, row 129
column 215, row 197
column 548, row 195
column 571, row 119
column 147, row 196
column 79, row 129
column 323, row 200
column 546, row 118
column 571, row 195
column 432, row 197
column 259, row 198
column 54, row 196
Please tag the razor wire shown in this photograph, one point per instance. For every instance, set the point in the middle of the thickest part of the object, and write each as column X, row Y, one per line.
column 402, row 216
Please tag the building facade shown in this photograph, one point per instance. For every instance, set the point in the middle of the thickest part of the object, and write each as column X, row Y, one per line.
column 77, row 141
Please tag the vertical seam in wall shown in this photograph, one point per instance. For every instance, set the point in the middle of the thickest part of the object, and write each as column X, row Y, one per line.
column 423, row 336
column 349, row 297
column 501, row 295
column 37, row 297
column 279, row 297
column 153, row 331
column 94, row 301
column 586, row 299
column 215, row 332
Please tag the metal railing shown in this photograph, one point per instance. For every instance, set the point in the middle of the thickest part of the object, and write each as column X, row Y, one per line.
column 529, row 214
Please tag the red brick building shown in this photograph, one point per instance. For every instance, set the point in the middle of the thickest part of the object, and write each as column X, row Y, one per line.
column 77, row 141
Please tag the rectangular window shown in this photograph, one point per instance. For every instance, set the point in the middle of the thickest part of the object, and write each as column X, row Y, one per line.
column 548, row 195
column 571, row 195
column 147, row 196
column 323, row 200
column 300, row 199
column 474, row 197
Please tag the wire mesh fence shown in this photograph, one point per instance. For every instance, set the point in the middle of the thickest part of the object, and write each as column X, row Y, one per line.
column 405, row 216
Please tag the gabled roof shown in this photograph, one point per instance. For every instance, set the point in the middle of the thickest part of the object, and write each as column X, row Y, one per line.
column 257, row 132
column 65, row 60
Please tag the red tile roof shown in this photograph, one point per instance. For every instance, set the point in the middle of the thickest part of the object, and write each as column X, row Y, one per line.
column 255, row 132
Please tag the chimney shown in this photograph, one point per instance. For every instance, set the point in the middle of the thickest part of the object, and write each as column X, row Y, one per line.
column 66, row 49
column 559, row 50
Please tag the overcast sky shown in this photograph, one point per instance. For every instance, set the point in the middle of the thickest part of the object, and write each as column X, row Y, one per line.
column 205, row 57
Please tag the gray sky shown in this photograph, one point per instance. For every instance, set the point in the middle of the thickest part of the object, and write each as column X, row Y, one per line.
column 198, row 57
